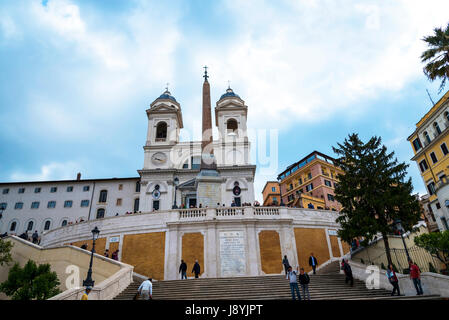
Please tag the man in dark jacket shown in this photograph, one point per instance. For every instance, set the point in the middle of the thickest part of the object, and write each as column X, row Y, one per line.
column 304, row 280
column 35, row 237
column 313, row 262
column 286, row 264
column 183, row 270
column 196, row 269
column 348, row 272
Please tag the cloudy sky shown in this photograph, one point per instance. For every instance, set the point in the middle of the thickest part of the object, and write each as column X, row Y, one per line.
column 77, row 76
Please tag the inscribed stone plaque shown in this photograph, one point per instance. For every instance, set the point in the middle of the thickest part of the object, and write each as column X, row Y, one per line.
column 232, row 253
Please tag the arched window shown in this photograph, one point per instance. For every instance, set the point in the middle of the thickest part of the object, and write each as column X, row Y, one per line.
column 231, row 126
column 30, row 226
column 161, row 131
column 136, row 204
column 426, row 136
column 13, row 226
column 47, row 225
column 138, row 186
column 64, row 223
column 446, row 114
column 103, row 196
column 437, row 127
column 100, row 213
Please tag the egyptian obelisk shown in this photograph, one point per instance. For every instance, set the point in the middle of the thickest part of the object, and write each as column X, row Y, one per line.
column 208, row 182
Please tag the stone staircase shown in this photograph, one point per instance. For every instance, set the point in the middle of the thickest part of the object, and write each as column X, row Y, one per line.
column 323, row 286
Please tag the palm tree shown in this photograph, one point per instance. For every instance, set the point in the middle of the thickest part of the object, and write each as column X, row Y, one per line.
column 437, row 57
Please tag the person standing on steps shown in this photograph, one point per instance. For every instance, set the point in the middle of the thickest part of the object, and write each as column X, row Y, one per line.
column 86, row 293
column 313, row 262
column 391, row 275
column 196, row 269
column 415, row 275
column 291, row 276
column 286, row 265
column 146, row 289
column 304, row 280
column 35, row 237
column 183, row 270
column 348, row 272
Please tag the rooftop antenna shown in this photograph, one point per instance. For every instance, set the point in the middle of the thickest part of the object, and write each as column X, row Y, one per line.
column 433, row 103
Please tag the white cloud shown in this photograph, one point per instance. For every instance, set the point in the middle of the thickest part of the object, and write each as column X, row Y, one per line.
column 52, row 171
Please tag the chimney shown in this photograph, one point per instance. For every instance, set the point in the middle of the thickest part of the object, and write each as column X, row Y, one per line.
column 78, row 176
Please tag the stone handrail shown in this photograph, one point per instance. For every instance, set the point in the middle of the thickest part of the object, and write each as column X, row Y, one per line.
column 192, row 213
column 266, row 211
column 233, row 211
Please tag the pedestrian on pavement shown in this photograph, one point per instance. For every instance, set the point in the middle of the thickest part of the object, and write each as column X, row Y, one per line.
column 391, row 275
column 84, row 246
column 106, row 253
column 86, row 293
column 313, row 262
column 35, row 237
column 146, row 289
column 415, row 275
column 291, row 275
column 286, row 264
column 304, row 280
column 196, row 269
column 348, row 272
column 183, row 270
column 115, row 255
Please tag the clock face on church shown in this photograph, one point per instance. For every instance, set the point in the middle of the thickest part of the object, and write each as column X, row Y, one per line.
column 159, row 158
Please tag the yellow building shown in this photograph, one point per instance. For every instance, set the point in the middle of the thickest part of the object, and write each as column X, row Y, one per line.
column 430, row 143
column 270, row 193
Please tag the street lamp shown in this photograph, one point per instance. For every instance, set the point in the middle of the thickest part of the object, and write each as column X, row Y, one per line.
column 398, row 225
column 175, row 183
column 89, row 282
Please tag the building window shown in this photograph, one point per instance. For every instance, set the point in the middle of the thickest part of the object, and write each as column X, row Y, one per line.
column 433, row 157
column 291, row 186
column 68, row 203
column 444, row 221
column 231, row 126
column 309, row 187
column 275, row 199
column 120, row 186
column 119, row 202
column 37, row 190
column 328, row 183
column 35, row 205
column 69, row 189
column 103, row 196
column 155, row 204
column 84, row 203
column 273, row 189
column 309, row 175
column 438, row 205
column 138, row 184
column 3, row 205
column 431, row 188
column 446, row 114
column 53, row 189
column 13, row 226
column 161, row 131
column 423, row 165
column 47, row 225
column 51, row 204
column 64, row 223
column 18, row 205
column 417, row 144
column 30, row 225
column 136, row 204
column 21, row 190
column 426, row 136
column 300, row 181
column 100, row 213
column 6, row 191
column 437, row 128
column 444, row 149
column 330, row 197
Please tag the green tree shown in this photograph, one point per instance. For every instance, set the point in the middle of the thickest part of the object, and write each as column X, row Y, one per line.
column 5, row 252
column 437, row 57
column 437, row 244
column 373, row 191
column 31, row 282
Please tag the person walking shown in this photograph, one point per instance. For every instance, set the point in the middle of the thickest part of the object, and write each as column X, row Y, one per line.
column 35, row 237
column 348, row 273
column 183, row 270
column 415, row 275
column 115, row 255
column 291, row 276
column 146, row 289
column 106, row 253
column 286, row 265
column 196, row 269
column 304, row 280
column 313, row 262
column 86, row 293
column 391, row 275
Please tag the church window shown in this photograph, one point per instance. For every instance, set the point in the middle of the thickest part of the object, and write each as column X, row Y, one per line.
column 64, row 223
column 30, row 226
column 100, row 213
column 47, row 225
column 13, row 226
column 231, row 126
column 103, row 196
column 136, row 204
column 437, row 128
column 161, row 131
column 155, row 204
column 137, row 186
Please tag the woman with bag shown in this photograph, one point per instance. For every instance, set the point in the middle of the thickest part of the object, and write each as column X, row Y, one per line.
column 391, row 275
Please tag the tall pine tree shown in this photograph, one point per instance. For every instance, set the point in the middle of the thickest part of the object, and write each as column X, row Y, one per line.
column 373, row 191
